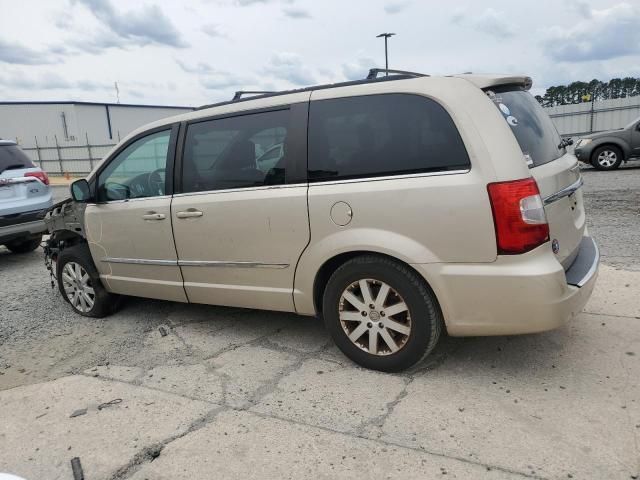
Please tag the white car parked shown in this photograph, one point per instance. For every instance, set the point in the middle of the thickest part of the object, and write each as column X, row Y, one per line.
column 25, row 197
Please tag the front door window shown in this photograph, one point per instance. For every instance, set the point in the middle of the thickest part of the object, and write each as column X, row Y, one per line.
column 138, row 171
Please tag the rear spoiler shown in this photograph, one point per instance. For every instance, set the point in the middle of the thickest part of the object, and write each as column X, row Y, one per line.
column 488, row 81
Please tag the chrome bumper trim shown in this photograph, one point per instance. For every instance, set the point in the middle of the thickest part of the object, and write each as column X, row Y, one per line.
column 565, row 192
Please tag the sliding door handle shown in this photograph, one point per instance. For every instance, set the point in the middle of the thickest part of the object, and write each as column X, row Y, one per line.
column 154, row 216
column 191, row 213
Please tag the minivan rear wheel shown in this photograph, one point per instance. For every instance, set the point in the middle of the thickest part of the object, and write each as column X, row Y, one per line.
column 607, row 157
column 381, row 314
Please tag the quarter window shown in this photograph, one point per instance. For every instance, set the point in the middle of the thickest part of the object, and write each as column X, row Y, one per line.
column 381, row 135
column 237, row 152
column 138, row 171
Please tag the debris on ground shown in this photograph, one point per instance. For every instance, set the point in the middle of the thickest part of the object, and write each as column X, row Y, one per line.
column 76, row 468
column 115, row 401
column 77, row 413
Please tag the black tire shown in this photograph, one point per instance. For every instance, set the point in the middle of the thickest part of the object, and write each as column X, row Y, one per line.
column 104, row 303
column 425, row 316
column 613, row 150
column 24, row 246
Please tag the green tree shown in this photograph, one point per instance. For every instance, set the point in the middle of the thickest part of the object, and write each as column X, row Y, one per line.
column 576, row 91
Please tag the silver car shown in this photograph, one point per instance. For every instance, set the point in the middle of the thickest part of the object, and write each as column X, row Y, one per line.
column 25, row 197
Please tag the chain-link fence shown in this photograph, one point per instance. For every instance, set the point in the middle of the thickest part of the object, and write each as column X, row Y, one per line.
column 77, row 159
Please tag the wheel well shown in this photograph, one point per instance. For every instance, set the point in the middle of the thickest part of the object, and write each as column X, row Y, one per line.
column 61, row 239
column 331, row 265
column 610, row 144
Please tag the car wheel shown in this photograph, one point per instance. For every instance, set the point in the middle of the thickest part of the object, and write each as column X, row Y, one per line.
column 80, row 285
column 381, row 314
column 24, row 246
column 606, row 158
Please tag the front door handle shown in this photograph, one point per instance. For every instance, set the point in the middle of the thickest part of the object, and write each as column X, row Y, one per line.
column 153, row 216
column 191, row 213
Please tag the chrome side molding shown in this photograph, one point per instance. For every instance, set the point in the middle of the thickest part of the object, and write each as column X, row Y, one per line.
column 194, row 263
column 140, row 261
column 215, row 263
column 565, row 192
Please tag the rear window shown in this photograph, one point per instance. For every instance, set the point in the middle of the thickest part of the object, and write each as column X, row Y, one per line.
column 379, row 135
column 11, row 158
column 532, row 127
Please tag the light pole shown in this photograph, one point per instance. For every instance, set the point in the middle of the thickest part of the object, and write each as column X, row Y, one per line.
column 386, row 37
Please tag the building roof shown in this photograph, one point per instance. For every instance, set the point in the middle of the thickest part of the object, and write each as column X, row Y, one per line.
column 72, row 102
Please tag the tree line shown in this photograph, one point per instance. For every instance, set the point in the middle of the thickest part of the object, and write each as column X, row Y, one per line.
column 578, row 92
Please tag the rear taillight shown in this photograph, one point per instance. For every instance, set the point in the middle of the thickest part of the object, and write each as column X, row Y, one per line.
column 518, row 215
column 42, row 176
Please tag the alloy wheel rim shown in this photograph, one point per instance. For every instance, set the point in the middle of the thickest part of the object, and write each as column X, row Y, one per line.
column 607, row 158
column 78, row 288
column 374, row 317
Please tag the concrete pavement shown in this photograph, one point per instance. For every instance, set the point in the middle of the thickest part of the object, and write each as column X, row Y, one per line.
column 242, row 394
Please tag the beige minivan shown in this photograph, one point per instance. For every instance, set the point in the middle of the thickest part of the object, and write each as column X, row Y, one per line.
column 391, row 207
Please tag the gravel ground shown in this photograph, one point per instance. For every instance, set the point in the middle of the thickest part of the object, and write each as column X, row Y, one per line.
column 265, row 395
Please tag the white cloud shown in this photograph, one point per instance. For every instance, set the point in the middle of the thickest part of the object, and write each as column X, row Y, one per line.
column 289, row 66
column 359, row 69
column 601, row 35
column 213, row 30
column 396, row 7
column 490, row 21
column 147, row 25
column 296, row 12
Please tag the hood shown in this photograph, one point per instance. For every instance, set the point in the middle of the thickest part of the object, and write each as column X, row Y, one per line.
column 605, row 133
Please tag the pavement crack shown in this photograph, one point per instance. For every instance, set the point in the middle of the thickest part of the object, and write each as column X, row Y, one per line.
column 378, row 421
column 150, row 453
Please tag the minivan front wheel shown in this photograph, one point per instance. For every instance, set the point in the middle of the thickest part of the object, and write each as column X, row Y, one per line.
column 607, row 158
column 80, row 285
column 381, row 314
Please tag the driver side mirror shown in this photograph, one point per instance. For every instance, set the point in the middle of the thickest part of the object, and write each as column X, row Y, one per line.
column 80, row 191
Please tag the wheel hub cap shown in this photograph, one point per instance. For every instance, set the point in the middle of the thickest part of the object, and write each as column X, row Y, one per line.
column 374, row 317
column 607, row 158
column 77, row 287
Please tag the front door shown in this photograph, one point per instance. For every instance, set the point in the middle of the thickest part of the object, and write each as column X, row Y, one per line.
column 129, row 228
column 635, row 140
column 240, row 223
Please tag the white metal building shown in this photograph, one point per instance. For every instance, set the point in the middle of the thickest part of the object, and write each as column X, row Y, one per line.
column 72, row 123
column 584, row 118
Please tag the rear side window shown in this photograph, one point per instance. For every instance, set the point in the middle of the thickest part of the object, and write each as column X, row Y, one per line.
column 237, row 152
column 11, row 158
column 532, row 127
column 380, row 135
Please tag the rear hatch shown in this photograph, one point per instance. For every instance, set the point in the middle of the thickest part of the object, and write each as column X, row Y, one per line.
column 555, row 170
column 19, row 190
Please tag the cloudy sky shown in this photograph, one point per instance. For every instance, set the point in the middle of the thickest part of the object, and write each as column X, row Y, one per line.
column 192, row 52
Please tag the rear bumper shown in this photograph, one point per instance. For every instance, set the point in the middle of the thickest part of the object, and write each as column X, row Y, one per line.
column 22, row 225
column 515, row 294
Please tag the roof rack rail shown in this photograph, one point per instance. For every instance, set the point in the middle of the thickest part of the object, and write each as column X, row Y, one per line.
column 238, row 95
column 373, row 73
column 398, row 75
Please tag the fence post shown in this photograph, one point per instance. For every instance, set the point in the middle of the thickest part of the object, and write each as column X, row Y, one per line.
column 89, row 150
column 38, row 153
column 592, row 113
column 59, row 155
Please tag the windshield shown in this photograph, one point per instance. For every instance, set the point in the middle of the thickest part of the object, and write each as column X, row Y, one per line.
column 11, row 157
column 532, row 127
